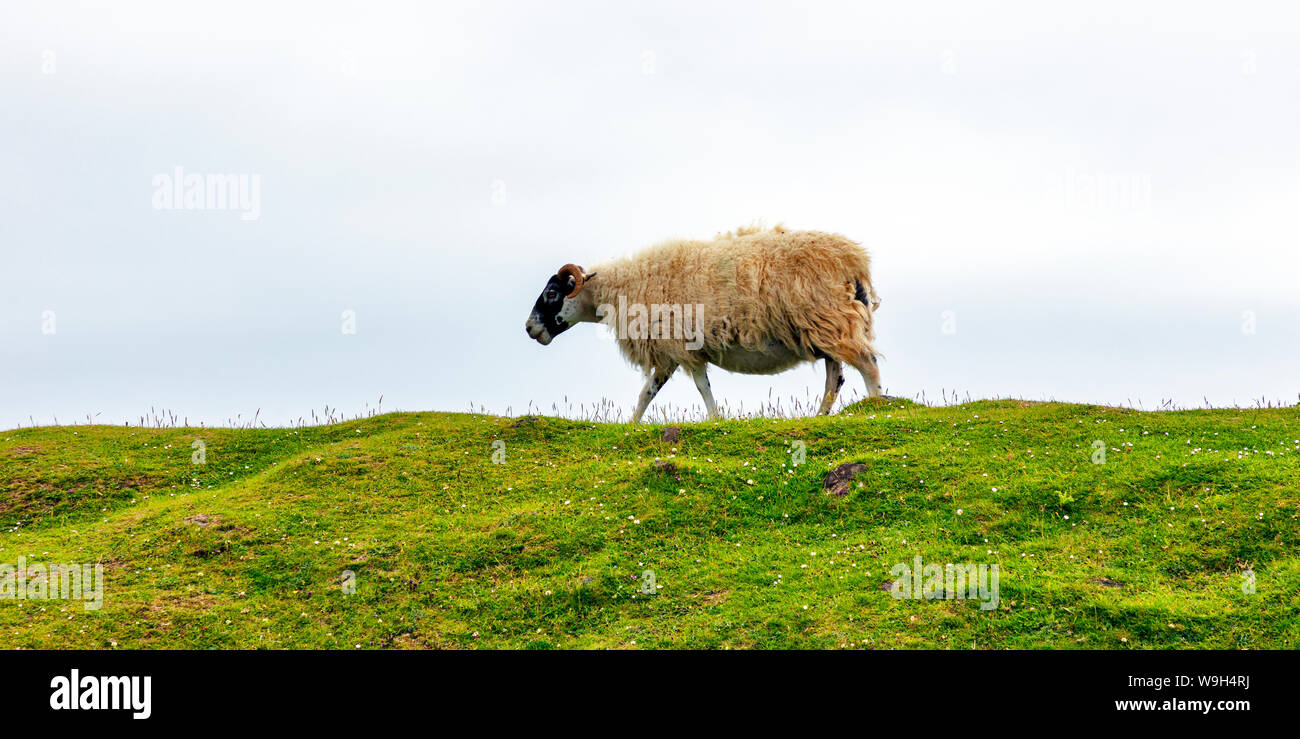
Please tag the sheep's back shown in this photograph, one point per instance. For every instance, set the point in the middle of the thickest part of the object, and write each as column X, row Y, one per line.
column 755, row 287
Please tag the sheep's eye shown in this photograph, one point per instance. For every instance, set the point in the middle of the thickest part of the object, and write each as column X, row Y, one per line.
column 551, row 295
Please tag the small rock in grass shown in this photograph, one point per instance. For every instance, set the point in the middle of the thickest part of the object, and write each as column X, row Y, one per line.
column 672, row 434
column 837, row 480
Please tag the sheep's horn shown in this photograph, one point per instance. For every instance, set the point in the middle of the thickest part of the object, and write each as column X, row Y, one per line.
column 574, row 271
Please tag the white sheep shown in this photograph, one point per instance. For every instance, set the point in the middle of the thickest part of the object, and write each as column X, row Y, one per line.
column 754, row 301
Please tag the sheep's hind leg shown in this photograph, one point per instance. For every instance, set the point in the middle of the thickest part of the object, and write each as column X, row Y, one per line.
column 655, row 379
column 701, row 377
column 869, row 366
column 834, row 380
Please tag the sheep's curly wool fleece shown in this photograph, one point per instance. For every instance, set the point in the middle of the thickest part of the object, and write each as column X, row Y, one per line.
column 757, row 286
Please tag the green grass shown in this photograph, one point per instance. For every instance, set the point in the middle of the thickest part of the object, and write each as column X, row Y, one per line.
column 547, row 550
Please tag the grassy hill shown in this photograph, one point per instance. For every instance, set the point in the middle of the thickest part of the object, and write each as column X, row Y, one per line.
column 549, row 548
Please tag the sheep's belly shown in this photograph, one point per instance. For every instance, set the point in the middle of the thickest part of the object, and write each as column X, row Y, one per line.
column 776, row 358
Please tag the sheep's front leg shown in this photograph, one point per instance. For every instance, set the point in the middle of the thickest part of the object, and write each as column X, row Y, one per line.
column 701, row 377
column 834, row 379
column 655, row 379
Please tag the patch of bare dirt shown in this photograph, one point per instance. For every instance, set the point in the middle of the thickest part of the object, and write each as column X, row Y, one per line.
column 712, row 599
column 838, row 480
column 203, row 520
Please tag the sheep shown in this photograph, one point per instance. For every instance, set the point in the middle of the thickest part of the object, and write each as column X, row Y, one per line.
column 754, row 301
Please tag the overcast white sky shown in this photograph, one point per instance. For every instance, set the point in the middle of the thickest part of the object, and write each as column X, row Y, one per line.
column 429, row 167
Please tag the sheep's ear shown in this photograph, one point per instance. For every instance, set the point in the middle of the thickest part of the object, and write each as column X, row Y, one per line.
column 588, row 277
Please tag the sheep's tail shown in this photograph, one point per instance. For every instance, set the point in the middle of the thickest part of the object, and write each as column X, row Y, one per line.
column 866, row 293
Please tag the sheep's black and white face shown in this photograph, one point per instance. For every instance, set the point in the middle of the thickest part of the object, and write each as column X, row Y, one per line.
column 553, row 313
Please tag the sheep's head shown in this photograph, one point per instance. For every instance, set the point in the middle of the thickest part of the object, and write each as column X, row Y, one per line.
column 558, row 307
